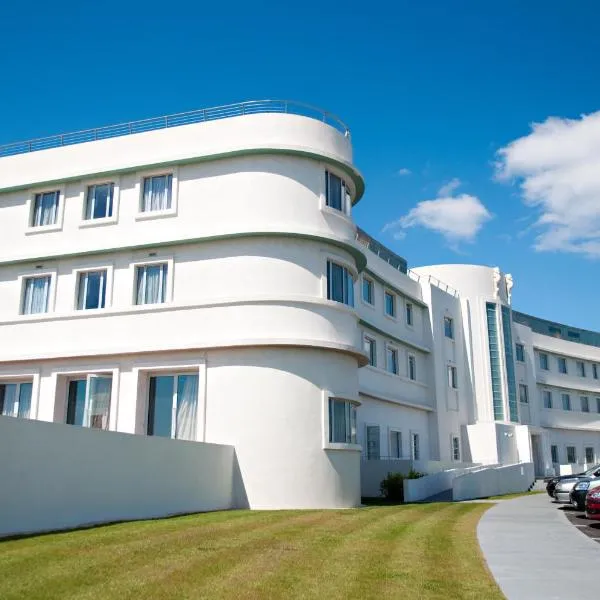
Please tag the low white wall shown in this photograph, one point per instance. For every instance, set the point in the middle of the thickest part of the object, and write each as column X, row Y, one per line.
column 430, row 485
column 55, row 476
column 493, row 481
column 373, row 472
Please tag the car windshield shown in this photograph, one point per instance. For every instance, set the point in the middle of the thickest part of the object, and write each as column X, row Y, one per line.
column 592, row 470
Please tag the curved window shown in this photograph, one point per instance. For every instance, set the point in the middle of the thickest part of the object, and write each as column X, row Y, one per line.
column 340, row 284
column 342, row 421
column 336, row 193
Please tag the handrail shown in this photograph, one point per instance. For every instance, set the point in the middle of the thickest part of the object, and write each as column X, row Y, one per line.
column 185, row 118
column 434, row 281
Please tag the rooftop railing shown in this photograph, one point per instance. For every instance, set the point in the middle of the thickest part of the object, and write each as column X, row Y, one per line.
column 186, row 118
column 363, row 238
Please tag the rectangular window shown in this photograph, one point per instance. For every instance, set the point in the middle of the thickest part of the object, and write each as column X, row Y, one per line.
column 519, row 352
column 412, row 367
column 336, row 194
column 452, row 377
column 371, row 350
column 455, row 448
column 581, row 368
column 390, row 304
column 91, row 290
column 449, row 327
column 373, row 440
column 585, row 404
column 510, row 364
column 395, row 444
column 415, row 450
column 590, row 455
column 157, row 194
column 151, row 284
column 566, row 401
column 342, row 421
column 340, row 284
column 562, row 365
column 391, row 360
column 595, row 371
column 409, row 314
column 554, row 453
column 571, row 454
column 172, row 406
column 45, row 209
column 544, row 361
column 15, row 399
column 36, row 295
column 598, row 405
column 494, row 348
column 523, row 394
column 368, row 294
column 88, row 401
column 547, row 396
column 99, row 201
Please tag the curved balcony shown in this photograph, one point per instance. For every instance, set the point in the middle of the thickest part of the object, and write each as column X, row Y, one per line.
column 186, row 118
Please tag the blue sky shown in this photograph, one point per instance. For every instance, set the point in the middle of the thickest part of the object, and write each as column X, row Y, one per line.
column 434, row 88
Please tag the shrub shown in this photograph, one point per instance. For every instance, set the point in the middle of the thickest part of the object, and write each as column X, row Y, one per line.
column 392, row 487
column 412, row 474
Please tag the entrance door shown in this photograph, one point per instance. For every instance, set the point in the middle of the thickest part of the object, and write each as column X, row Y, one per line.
column 538, row 462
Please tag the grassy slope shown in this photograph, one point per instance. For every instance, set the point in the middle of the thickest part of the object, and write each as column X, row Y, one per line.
column 416, row 551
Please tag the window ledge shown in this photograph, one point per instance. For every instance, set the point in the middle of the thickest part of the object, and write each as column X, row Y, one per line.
column 98, row 222
column 337, row 212
column 340, row 446
column 155, row 214
column 43, row 229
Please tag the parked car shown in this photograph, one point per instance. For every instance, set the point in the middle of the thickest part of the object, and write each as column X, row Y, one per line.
column 562, row 491
column 581, row 489
column 552, row 481
column 592, row 504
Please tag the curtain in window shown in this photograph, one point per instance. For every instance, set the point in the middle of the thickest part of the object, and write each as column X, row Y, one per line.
column 187, row 402
column 99, row 201
column 151, row 284
column 98, row 402
column 157, row 193
column 46, row 209
column 25, row 400
column 9, row 397
column 36, row 295
column 339, row 421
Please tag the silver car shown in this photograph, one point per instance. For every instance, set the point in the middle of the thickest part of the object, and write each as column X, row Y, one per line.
column 562, row 491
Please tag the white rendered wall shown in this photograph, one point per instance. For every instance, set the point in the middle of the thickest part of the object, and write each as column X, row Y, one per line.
column 60, row 477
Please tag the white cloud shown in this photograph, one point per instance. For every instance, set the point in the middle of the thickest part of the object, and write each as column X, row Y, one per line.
column 457, row 218
column 404, row 171
column 448, row 188
column 557, row 166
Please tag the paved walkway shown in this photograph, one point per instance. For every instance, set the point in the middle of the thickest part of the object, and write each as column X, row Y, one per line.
column 534, row 552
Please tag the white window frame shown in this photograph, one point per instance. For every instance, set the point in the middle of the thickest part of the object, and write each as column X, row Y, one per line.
column 526, row 388
column 395, row 349
column 60, row 212
column 547, row 367
column 170, row 279
column 366, row 444
column 543, row 391
column 580, row 372
column 564, row 395
column 372, row 346
column 410, row 355
column 394, row 431
column 557, row 454
column 109, row 268
column 452, row 375
column 558, row 363
column 387, row 292
column 325, row 281
column 409, row 307
column 522, row 346
column 114, row 218
column 52, row 273
column 366, row 302
column 416, row 434
column 451, row 321
column 139, row 186
column 581, row 401
column 594, row 370
column 327, row 445
column 347, row 192
column 571, row 462
column 593, row 449
column 18, row 381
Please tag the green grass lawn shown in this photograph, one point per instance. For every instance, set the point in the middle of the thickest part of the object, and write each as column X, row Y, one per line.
column 414, row 551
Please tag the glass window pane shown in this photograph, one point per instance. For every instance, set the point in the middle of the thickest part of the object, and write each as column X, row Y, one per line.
column 187, row 401
column 8, row 395
column 98, row 402
column 334, row 191
column 160, row 405
column 35, row 297
column 76, row 402
column 25, row 390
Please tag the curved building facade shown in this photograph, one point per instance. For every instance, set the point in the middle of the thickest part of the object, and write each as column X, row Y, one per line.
column 205, row 281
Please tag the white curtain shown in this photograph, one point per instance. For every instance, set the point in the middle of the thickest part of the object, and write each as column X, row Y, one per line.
column 36, row 295
column 10, row 399
column 187, row 403
column 46, row 208
column 157, row 193
column 151, row 284
column 98, row 402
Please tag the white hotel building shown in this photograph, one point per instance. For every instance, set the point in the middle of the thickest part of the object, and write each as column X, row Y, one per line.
column 200, row 277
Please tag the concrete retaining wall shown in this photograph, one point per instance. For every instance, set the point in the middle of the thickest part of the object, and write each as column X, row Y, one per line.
column 493, row 481
column 55, row 476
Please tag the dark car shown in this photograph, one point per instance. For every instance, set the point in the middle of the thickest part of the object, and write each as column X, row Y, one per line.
column 581, row 489
column 552, row 481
